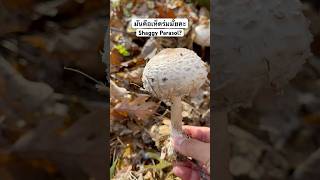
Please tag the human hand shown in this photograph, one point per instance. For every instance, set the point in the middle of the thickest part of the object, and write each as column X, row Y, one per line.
column 197, row 147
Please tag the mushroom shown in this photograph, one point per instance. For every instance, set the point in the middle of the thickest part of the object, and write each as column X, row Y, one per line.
column 202, row 35
column 170, row 75
column 202, row 30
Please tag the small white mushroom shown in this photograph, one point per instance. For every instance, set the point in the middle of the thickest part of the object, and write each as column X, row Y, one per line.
column 202, row 30
column 202, row 35
column 172, row 74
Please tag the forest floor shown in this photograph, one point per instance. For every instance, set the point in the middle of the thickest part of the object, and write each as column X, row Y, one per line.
column 53, row 121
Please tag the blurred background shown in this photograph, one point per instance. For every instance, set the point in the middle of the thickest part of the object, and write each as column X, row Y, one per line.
column 52, row 120
column 278, row 138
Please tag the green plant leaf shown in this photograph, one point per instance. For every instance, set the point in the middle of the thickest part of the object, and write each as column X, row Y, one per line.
column 122, row 50
column 113, row 168
column 161, row 165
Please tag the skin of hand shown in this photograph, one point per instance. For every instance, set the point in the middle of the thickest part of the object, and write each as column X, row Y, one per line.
column 197, row 147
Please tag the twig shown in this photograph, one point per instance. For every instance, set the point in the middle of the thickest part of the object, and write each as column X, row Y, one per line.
column 84, row 74
column 101, row 87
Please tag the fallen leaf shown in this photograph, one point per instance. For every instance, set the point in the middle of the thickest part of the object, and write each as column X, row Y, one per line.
column 79, row 151
column 117, row 92
column 138, row 108
column 312, row 119
column 159, row 166
column 135, row 76
column 165, row 12
column 149, row 49
column 36, row 41
column 134, row 127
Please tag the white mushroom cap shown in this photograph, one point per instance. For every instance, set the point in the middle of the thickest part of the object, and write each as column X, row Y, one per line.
column 174, row 72
column 202, row 35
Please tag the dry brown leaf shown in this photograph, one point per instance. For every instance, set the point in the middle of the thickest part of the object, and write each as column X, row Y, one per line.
column 135, row 76
column 115, row 115
column 134, row 127
column 27, row 94
column 80, row 145
column 18, row 4
column 115, row 58
column 139, row 108
column 117, row 92
column 133, row 62
column 312, row 119
column 150, row 48
column 36, row 41
column 116, row 23
column 165, row 12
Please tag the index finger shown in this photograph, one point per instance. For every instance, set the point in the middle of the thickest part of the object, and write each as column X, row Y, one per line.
column 197, row 132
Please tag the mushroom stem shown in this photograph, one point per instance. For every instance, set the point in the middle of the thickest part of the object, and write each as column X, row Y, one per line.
column 203, row 52
column 176, row 116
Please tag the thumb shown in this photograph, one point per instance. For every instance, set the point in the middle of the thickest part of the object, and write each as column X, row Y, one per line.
column 192, row 148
